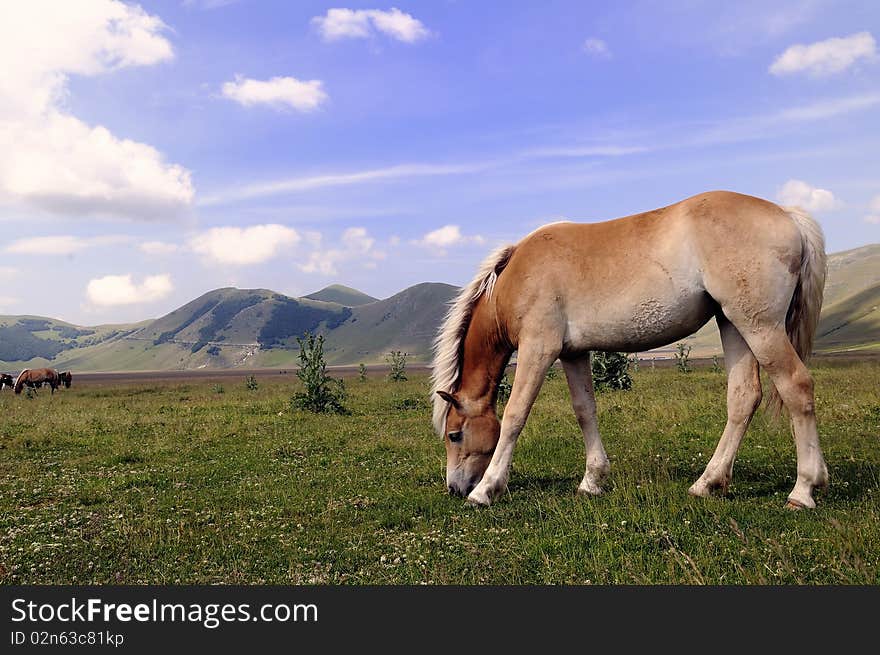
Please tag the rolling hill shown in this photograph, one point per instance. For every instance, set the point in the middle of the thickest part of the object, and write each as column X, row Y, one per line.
column 255, row 328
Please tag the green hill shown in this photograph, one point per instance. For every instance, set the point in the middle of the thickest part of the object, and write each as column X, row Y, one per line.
column 342, row 295
column 258, row 328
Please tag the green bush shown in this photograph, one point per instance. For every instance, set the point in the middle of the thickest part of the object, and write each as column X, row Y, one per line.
column 251, row 383
column 321, row 394
column 682, row 353
column 504, row 389
column 611, row 371
column 397, row 360
column 362, row 372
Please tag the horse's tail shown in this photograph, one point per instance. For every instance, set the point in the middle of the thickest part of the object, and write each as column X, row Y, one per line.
column 806, row 302
column 19, row 382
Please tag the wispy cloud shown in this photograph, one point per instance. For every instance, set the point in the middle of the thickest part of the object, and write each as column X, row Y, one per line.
column 61, row 244
column 825, row 57
column 307, row 183
column 596, row 48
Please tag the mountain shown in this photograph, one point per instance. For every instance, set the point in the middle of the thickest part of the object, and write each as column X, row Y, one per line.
column 257, row 328
column 342, row 295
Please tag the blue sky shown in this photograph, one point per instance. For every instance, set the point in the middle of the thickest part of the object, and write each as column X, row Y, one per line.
column 153, row 152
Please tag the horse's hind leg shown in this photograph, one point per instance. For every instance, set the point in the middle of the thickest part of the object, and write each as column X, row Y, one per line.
column 743, row 398
column 583, row 399
column 795, row 386
column 533, row 360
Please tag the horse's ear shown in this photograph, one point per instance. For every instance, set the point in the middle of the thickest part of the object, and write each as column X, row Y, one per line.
column 448, row 397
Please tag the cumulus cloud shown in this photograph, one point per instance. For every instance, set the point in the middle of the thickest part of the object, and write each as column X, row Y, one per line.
column 355, row 245
column 825, row 57
column 445, row 237
column 801, row 194
column 113, row 290
column 55, row 161
column 242, row 246
column 278, row 92
column 61, row 244
column 364, row 23
column 597, row 48
column 158, row 248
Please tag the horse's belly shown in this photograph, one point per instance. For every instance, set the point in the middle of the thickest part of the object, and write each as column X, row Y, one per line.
column 648, row 322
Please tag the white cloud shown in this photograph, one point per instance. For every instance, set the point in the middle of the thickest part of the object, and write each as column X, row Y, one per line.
column 278, row 92
column 6, row 301
column 356, row 245
column 61, row 245
column 121, row 289
column 158, row 248
column 243, row 246
column 874, row 209
column 825, row 57
column 597, row 48
column 801, row 194
column 49, row 158
column 363, row 23
column 308, row 183
column 445, row 237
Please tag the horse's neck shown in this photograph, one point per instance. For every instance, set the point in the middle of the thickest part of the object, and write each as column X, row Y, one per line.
column 484, row 357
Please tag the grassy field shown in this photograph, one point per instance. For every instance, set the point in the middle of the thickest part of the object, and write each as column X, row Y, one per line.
column 181, row 483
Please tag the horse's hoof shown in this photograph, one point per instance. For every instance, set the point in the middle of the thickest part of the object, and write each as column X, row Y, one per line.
column 478, row 498
column 699, row 490
column 794, row 506
column 589, row 490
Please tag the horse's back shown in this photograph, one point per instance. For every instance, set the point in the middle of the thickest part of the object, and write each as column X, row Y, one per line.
column 642, row 280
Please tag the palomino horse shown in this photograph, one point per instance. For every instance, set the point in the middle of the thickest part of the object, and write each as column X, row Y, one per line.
column 36, row 377
column 633, row 284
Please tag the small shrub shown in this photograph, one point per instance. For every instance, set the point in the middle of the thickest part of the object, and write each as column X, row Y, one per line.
column 218, row 388
column 682, row 353
column 362, row 373
column 29, row 393
column 251, row 383
column 552, row 372
column 611, row 371
column 504, row 389
column 397, row 360
column 716, row 367
column 322, row 394
column 634, row 363
column 213, row 351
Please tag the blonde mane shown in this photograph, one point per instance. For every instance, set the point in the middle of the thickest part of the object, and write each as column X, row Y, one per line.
column 446, row 367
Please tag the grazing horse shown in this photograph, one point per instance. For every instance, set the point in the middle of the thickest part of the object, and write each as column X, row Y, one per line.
column 6, row 380
column 633, row 284
column 36, row 377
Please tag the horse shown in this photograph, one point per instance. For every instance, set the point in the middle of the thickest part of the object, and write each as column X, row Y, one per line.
column 6, row 380
column 36, row 377
column 632, row 284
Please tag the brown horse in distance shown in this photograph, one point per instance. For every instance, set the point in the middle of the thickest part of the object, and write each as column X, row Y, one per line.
column 6, row 380
column 36, row 377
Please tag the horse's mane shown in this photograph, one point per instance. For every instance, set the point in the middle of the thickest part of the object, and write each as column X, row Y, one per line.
column 446, row 367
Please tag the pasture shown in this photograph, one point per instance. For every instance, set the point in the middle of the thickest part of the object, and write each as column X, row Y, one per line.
column 202, row 481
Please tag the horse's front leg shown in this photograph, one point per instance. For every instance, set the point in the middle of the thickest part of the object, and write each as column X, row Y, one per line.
column 533, row 360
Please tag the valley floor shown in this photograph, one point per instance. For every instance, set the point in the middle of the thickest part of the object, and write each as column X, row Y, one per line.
column 206, row 481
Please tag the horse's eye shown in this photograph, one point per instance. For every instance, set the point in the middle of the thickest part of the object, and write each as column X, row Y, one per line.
column 454, row 436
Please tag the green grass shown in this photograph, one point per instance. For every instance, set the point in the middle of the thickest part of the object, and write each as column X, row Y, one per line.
column 174, row 483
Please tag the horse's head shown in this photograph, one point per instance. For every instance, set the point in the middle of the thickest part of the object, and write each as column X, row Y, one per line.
column 472, row 431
